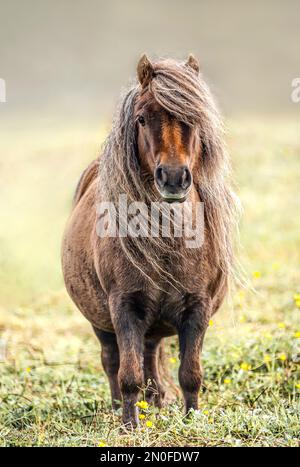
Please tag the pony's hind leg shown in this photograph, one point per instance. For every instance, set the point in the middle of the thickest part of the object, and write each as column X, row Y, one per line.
column 111, row 362
column 155, row 392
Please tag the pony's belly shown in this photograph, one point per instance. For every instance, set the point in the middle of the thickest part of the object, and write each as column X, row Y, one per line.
column 93, row 305
column 85, row 291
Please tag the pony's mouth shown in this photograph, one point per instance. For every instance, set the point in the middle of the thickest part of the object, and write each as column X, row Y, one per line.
column 174, row 198
column 170, row 197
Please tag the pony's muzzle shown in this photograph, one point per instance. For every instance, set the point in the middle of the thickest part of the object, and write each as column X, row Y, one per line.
column 173, row 183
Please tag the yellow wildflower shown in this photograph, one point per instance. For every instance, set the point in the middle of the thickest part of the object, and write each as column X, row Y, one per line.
column 267, row 358
column 28, row 369
column 297, row 334
column 281, row 325
column 227, row 381
column 297, row 296
column 142, row 416
column 142, row 405
column 275, row 266
column 172, row 360
column 297, row 302
column 149, row 424
column 210, row 323
column 242, row 319
column 206, row 412
column 245, row 366
column 256, row 274
column 268, row 335
column 297, row 385
column 282, row 357
column 102, row 444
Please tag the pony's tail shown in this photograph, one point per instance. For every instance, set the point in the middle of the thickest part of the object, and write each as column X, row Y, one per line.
column 173, row 391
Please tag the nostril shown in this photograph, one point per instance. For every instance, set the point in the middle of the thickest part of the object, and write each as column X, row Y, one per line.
column 161, row 176
column 186, row 178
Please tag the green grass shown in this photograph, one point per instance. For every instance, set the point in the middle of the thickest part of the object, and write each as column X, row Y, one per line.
column 52, row 388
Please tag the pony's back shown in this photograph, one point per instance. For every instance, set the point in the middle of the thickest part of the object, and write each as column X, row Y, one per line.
column 87, row 177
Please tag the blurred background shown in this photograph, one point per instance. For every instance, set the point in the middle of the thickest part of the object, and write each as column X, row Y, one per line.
column 65, row 64
column 70, row 58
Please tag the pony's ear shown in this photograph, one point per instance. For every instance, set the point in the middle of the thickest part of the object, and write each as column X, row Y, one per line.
column 145, row 70
column 193, row 63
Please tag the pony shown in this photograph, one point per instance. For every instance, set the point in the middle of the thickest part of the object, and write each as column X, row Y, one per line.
column 165, row 145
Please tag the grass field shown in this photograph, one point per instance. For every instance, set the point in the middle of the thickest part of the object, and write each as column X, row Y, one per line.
column 52, row 388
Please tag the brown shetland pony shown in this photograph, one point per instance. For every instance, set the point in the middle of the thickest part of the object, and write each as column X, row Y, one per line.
column 165, row 144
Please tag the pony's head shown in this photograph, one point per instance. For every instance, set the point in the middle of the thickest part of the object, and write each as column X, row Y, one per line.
column 168, row 147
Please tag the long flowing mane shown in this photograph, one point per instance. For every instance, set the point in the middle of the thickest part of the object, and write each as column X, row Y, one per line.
column 185, row 95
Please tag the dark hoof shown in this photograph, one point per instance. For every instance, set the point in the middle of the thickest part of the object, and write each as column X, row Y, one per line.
column 116, row 405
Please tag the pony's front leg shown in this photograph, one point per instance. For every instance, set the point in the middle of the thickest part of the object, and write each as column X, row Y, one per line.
column 191, row 331
column 129, row 329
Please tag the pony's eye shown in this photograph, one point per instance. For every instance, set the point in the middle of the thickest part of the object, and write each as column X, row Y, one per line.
column 141, row 120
